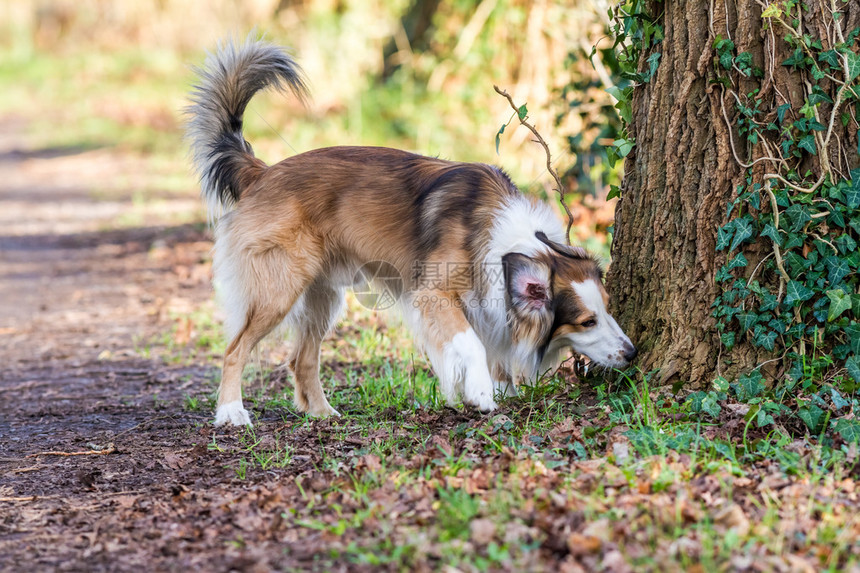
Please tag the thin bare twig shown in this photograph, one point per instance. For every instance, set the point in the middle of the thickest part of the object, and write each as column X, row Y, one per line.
column 559, row 187
column 108, row 450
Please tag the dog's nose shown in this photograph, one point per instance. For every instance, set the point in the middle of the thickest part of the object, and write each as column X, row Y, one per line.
column 630, row 353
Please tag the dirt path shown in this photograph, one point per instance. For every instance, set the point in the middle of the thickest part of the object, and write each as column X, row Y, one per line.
column 152, row 485
column 77, row 295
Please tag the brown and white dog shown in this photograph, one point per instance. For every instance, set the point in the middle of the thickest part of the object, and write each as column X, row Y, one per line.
column 293, row 235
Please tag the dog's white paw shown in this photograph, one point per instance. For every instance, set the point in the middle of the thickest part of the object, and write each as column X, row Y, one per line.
column 483, row 401
column 232, row 413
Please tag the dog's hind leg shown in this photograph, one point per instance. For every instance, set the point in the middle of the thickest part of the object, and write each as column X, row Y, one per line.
column 263, row 287
column 323, row 305
column 457, row 354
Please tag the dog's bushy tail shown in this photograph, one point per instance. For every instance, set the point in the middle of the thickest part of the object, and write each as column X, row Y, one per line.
column 227, row 82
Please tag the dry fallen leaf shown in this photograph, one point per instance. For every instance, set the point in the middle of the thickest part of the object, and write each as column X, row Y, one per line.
column 579, row 544
column 483, row 531
column 733, row 517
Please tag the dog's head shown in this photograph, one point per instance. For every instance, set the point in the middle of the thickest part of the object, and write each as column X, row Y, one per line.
column 558, row 300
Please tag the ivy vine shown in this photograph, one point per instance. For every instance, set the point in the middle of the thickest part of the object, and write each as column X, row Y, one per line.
column 799, row 299
column 809, row 313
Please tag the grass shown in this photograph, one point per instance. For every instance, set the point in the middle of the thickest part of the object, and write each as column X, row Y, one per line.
column 593, row 471
column 584, row 472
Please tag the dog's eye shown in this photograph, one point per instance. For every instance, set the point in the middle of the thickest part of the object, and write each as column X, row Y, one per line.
column 589, row 323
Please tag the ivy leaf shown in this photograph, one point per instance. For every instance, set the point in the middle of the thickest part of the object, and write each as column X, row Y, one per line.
column 798, row 215
column 839, row 401
column 853, row 332
column 796, row 59
column 839, row 303
column 766, row 339
column 807, row 143
column 522, row 111
column 853, row 65
column 623, row 146
column 748, row 386
column 499, row 136
column 743, row 231
column 747, row 320
column 837, row 269
column 709, row 405
column 831, row 58
column 813, row 417
column 852, row 194
column 848, row 429
column 738, row 261
column 772, row 233
column 614, row 191
column 653, row 63
column 853, row 368
column 845, row 243
column 724, row 235
column 797, row 292
column 772, row 11
column 817, row 96
column 780, row 111
column 770, row 302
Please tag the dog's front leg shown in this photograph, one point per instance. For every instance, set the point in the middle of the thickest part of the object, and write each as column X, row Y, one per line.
column 457, row 354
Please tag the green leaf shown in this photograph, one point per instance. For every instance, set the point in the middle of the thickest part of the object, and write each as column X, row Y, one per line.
column 772, row 11
column 522, row 111
column 724, row 235
column 747, row 320
column 813, row 417
column 839, row 303
column 818, row 95
column 721, row 384
column 799, row 216
column 797, row 292
column 807, row 142
column 853, row 332
column 653, row 63
column 831, row 58
column 772, row 233
column 623, row 146
column 710, row 406
column 853, row 368
column 499, row 136
column 780, row 111
column 853, row 66
column 762, row 418
column 852, row 194
column 614, row 191
column 743, row 231
column 837, row 269
column 749, row 386
column 849, row 430
column 845, row 243
column 838, row 400
column 738, row 261
column 766, row 339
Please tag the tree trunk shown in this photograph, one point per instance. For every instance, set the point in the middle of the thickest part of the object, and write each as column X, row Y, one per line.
column 683, row 172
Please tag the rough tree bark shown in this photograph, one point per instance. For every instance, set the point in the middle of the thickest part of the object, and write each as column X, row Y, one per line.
column 682, row 174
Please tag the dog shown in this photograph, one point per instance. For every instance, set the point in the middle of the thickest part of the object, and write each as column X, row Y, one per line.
column 290, row 238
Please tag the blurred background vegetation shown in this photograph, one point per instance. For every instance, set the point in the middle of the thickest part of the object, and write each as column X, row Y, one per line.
column 413, row 74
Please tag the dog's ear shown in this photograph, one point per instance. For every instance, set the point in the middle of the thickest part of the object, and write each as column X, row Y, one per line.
column 566, row 250
column 528, row 283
